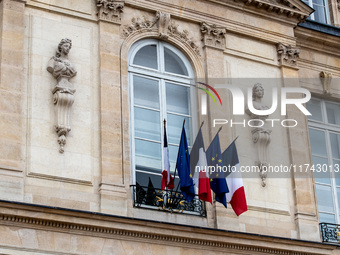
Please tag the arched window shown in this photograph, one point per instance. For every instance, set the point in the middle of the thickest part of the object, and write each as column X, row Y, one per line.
column 159, row 79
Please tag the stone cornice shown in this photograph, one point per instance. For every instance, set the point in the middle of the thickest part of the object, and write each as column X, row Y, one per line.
column 122, row 228
column 290, row 8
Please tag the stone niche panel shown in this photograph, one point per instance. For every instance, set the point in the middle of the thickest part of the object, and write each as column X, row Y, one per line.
column 248, row 48
column 80, row 159
column 79, row 6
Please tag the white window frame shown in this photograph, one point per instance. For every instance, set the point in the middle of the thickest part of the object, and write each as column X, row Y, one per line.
column 327, row 128
column 163, row 77
column 312, row 16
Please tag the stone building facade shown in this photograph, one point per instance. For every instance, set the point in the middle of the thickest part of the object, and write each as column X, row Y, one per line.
column 68, row 143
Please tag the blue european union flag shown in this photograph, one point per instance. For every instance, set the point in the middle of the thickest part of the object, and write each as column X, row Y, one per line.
column 217, row 179
column 183, row 168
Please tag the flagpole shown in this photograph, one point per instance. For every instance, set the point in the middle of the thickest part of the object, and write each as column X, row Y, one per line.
column 177, row 156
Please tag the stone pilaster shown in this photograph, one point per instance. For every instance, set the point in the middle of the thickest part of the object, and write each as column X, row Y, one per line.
column 12, row 87
column 305, row 205
column 112, row 189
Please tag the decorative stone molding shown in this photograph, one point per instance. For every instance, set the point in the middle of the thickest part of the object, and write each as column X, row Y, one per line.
column 133, row 235
column 260, row 134
column 213, row 35
column 326, row 79
column 287, row 54
column 63, row 93
column 281, row 7
column 165, row 28
column 110, row 10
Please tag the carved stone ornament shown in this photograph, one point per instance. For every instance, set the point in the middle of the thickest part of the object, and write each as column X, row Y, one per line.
column 63, row 93
column 287, row 54
column 213, row 35
column 338, row 4
column 110, row 10
column 326, row 79
column 260, row 134
column 164, row 26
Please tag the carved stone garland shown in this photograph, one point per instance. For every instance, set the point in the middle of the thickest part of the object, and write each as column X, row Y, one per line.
column 287, row 54
column 165, row 28
column 213, row 35
column 110, row 10
column 63, row 93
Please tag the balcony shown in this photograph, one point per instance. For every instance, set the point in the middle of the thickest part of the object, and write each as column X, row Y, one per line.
column 166, row 201
column 330, row 233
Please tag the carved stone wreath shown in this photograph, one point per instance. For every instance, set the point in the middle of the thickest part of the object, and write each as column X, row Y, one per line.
column 164, row 26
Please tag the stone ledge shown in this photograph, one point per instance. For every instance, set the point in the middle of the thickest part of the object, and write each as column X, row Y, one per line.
column 124, row 228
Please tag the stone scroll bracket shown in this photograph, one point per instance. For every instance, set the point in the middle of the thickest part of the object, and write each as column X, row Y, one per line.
column 326, row 79
column 164, row 26
column 110, row 10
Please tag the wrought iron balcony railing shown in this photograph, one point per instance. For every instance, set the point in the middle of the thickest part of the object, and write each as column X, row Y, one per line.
column 167, row 200
column 330, row 233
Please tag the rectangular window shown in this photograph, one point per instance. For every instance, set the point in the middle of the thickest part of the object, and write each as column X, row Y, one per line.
column 324, row 133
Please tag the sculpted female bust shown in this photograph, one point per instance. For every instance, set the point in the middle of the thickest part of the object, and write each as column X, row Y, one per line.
column 63, row 93
column 60, row 67
column 258, row 93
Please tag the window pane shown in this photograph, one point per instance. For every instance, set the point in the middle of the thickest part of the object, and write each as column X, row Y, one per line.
column 178, row 98
column 314, row 107
column 321, row 177
column 174, row 128
column 173, row 63
column 325, row 198
column 318, row 142
column 319, row 14
column 173, row 153
column 336, row 170
column 335, row 143
column 143, row 179
column 146, row 92
column 147, row 56
column 147, row 124
column 327, row 218
column 148, row 155
column 333, row 113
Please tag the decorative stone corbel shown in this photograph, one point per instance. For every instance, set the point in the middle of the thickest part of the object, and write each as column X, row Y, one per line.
column 326, row 79
column 287, row 54
column 260, row 134
column 63, row 93
column 338, row 4
column 213, row 35
column 110, row 10
column 164, row 21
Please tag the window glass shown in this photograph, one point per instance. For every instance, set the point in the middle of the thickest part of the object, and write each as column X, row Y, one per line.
column 333, row 113
column 318, row 142
column 325, row 198
column 147, row 56
column 146, row 92
column 147, row 124
column 314, row 107
column 177, row 98
column 173, row 63
column 148, row 154
column 335, row 145
column 327, row 218
column 320, row 176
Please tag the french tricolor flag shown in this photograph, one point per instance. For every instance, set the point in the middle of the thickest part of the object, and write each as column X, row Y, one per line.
column 167, row 179
column 236, row 196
